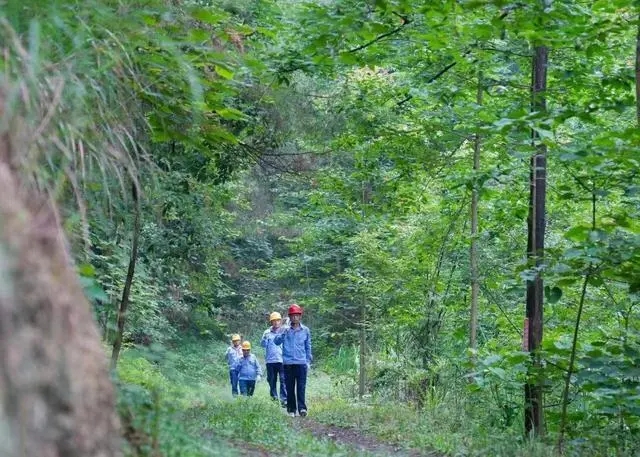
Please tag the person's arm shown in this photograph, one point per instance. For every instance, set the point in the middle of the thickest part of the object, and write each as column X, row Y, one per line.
column 279, row 338
column 264, row 342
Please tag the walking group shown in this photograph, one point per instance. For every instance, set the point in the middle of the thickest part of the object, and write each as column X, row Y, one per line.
column 288, row 359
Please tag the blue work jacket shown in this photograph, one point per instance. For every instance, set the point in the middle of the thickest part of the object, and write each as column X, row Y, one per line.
column 296, row 345
column 248, row 368
column 272, row 351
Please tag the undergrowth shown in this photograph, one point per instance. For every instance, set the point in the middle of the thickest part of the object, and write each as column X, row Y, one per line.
column 178, row 403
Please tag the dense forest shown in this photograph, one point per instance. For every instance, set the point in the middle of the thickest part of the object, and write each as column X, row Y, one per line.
column 449, row 188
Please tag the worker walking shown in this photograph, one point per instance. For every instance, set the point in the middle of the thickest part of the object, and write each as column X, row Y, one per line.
column 297, row 358
column 273, row 358
column 248, row 370
column 234, row 352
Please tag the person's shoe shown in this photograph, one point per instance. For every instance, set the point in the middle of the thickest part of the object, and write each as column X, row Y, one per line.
column 292, row 414
column 303, row 412
column 283, row 403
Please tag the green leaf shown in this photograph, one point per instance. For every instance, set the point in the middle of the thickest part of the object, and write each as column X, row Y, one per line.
column 499, row 372
column 87, row 270
column 568, row 281
column 552, row 294
column 224, row 72
column 231, row 113
column 578, row 233
column 596, row 281
column 207, row 16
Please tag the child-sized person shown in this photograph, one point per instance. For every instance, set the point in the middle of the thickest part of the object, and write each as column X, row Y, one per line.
column 248, row 369
column 234, row 352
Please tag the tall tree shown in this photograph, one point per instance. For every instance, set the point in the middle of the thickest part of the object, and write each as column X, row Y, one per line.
column 638, row 71
column 535, row 245
column 475, row 283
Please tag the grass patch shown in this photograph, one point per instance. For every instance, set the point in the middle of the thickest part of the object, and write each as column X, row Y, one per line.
column 447, row 429
column 262, row 423
column 178, row 403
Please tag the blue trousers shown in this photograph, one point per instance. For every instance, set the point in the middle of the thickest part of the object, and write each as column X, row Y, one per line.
column 233, row 377
column 295, row 377
column 273, row 371
column 247, row 387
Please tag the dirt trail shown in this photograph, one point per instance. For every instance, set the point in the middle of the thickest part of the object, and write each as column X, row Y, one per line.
column 250, row 450
column 358, row 440
column 344, row 436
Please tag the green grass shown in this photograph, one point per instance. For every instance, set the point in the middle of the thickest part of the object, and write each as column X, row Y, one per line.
column 445, row 429
column 183, row 399
column 262, row 423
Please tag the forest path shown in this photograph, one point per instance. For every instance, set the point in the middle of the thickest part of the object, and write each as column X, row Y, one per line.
column 338, row 424
column 361, row 444
column 358, row 440
column 301, row 436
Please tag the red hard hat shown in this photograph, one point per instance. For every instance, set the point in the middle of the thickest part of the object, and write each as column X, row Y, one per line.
column 294, row 309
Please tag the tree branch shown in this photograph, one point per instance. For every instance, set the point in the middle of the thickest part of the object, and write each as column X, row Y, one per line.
column 434, row 77
column 405, row 22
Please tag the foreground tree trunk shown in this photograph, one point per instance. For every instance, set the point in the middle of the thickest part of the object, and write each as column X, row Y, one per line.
column 56, row 398
column 126, row 292
column 533, row 414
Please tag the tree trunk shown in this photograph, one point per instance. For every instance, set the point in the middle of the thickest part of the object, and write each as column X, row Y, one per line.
column 638, row 72
column 367, row 190
column 56, row 398
column 124, row 303
column 574, row 343
column 535, row 250
column 362, row 378
column 475, row 284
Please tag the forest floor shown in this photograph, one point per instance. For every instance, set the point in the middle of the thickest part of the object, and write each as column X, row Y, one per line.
column 280, row 435
column 195, row 414
column 348, row 437
column 358, row 440
column 182, row 400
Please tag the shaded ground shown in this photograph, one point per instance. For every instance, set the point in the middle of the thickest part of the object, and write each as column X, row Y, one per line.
column 358, row 440
column 238, row 447
column 344, row 436
column 250, row 450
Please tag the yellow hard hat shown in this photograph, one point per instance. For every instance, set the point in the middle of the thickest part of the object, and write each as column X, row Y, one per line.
column 235, row 337
column 246, row 345
column 274, row 316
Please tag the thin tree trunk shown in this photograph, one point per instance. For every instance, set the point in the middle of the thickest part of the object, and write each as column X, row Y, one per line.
column 574, row 344
column 638, row 72
column 475, row 284
column 362, row 378
column 362, row 375
column 124, row 303
column 535, row 250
